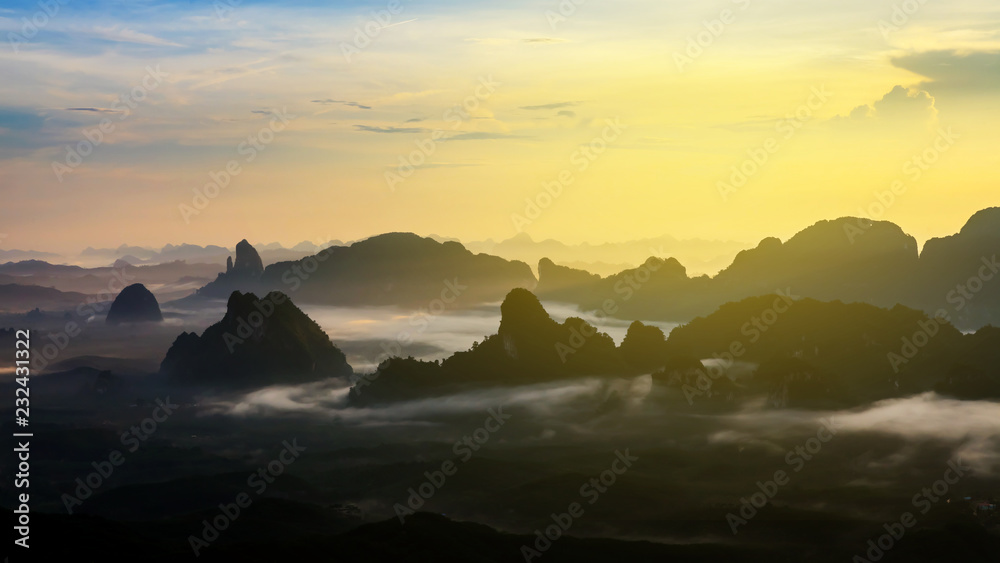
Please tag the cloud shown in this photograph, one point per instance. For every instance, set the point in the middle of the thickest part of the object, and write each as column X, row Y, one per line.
column 342, row 102
column 481, row 136
column 557, row 105
column 901, row 104
column 966, row 72
column 567, row 113
column 543, row 40
column 414, row 120
column 264, row 112
column 94, row 110
column 504, row 41
column 373, row 129
column 126, row 35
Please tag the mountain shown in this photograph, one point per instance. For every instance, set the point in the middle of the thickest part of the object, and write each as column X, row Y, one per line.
column 17, row 298
column 824, row 261
column 259, row 341
column 847, row 259
column 398, row 269
column 103, row 253
column 794, row 351
column 809, row 353
column 134, row 304
column 39, row 268
column 243, row 274
column 657, row 289
column 17, row 255
column 184, row 252
column 529, row 346
column 703, row 256
column 961, row 272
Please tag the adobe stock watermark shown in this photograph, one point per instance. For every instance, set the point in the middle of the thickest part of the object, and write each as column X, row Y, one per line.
column 47, row 9
column 258, row 481
column 705, row 38
column 924, row 501
column 368, row 32
column 426, row 147
column 564, row 10
column 795, row 458
column 581, row 159
column 394, row 348
column 225, row 7
column 758, row 156
column 463, row 450
column 914, row 169
column 901, row 15
column 959, row 297
column 249, row 148
column 131, row 439
column 590, row 490
column 95, row 136
column 753, row 329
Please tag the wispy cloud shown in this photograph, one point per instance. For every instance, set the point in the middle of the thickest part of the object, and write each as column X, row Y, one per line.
column 94, row 110
column 557, row 105
column 481, row 136
column 341, row 102
column 374, row 129
column 126, row 35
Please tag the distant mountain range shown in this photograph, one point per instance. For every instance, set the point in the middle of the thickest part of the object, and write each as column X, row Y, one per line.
column 846, row 259
column 191, row 253
column 701, row 256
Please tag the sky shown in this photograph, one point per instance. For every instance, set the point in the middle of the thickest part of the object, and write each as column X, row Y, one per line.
column 207, row 122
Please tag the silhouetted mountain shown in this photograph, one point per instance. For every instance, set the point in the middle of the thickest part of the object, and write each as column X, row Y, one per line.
column 658, row 289
column 960, row 272
column 241, row 275
column 796, row 352
column 170, row 280
column 829, row 260
column 847, row 259
column 16, row 255
column 134, row 304
column 39, row 268
column 643, row 347
column 812, row 353
column 703, row 256
column 398, row 269
column 529, row 346
column 21, row 298
column 257, row 342
column 565, row 283
column 247, row 261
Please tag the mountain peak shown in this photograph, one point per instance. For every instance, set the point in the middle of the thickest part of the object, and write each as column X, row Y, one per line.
column 247, row 259
column 135, row 303
column 985, row 222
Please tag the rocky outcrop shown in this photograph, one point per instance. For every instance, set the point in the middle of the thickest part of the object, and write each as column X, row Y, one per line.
column 260, row 341
column 248, row 262
column 135, row 304
column 242, row 275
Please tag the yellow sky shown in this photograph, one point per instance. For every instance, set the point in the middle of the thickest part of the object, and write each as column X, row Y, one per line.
column 539, row 90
